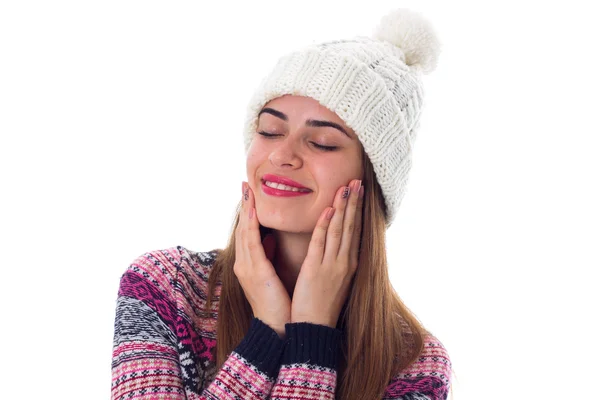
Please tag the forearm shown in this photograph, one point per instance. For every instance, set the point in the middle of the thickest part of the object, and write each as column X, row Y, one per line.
column 309, row 362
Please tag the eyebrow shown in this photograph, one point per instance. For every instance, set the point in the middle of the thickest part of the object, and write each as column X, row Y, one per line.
column 309, row 122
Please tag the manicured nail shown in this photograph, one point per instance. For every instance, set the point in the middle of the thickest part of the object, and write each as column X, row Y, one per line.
column 346, row 192
column 358, row 185
column 330, row 213
column 245, row 192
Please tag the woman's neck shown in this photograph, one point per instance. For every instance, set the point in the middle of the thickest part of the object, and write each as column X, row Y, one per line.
column 290, row 252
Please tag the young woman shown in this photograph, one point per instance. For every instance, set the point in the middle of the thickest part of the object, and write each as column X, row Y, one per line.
column 299, row 304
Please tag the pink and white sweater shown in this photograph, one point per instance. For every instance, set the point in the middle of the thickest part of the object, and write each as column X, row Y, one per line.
column 163, row 341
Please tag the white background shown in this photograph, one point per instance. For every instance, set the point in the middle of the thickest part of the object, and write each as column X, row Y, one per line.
column 121, row 126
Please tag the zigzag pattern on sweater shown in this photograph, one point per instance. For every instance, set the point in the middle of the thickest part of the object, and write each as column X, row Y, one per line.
column 164, row 341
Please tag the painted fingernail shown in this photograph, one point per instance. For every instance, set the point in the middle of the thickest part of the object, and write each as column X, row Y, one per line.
column 346, row 192
column 358, row 186
column 246, row 193
column 330, row 213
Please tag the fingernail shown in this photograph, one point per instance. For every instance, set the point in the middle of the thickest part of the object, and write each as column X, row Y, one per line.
column 358, row 186
column 330, row 213
column 346, row 192
column 246, row 194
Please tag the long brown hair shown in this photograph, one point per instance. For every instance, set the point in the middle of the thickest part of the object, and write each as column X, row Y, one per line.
column 381, row 335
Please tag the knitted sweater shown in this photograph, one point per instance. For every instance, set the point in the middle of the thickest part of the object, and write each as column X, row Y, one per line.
column 163, row 341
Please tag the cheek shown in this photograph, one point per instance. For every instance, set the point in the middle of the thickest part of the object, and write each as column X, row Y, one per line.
column 334, row 174
column 254, row 160
column 328, row 178
column 257, row 151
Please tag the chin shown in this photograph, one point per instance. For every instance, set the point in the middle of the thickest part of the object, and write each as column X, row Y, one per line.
column 279, row 223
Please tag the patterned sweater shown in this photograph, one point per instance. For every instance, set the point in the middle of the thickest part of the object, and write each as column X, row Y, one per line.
column 163, row 341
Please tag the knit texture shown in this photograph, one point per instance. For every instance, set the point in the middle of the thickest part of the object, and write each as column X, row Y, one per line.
column 163, row 344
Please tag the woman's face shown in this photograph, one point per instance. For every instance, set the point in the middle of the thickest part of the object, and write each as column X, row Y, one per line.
column 294, row 154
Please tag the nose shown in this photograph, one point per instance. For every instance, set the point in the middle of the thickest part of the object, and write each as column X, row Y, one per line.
column 285, row 154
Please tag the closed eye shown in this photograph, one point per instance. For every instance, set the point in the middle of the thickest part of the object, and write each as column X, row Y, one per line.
column 319, row 146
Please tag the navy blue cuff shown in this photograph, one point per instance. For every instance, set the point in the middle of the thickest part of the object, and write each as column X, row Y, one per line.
column 312, row 344
column 262, row 347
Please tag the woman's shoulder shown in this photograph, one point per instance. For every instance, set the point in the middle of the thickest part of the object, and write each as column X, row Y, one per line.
column 434, row 358
column 431, row 371
column 198, row 262
column 171, row 260
column 163, row 268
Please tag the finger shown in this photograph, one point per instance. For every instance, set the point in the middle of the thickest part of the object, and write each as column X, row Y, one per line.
column 240, row 248
column 350, row 220
column 243, row 223
column 240, row 223
column 316, row 246
column 238, row 236
column 354, row 247
column 255, row 248
column 336, row 226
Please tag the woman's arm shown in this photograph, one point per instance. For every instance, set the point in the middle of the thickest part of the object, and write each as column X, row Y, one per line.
column 309, row 368
column 309, row 362
column 148, row 356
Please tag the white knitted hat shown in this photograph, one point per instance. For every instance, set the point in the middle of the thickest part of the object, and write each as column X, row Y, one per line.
column 373, row 84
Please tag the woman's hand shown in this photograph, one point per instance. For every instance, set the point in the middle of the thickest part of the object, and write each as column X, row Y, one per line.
column 266, row 294
column 324, row 280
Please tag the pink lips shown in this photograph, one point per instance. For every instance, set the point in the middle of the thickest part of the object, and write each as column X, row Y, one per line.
column 284, row 180
column 282, row 193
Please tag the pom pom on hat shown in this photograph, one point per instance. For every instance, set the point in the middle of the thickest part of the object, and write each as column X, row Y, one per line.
column 414, row 35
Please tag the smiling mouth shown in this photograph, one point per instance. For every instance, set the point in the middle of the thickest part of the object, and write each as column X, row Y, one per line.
column 281, row 186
